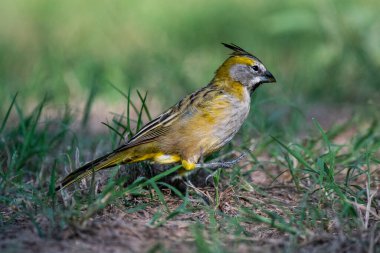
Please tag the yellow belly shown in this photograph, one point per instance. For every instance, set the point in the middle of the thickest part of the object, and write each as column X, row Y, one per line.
column 205, row 130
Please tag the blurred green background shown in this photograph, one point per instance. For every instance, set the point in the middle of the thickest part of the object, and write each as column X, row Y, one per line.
column 319, row 51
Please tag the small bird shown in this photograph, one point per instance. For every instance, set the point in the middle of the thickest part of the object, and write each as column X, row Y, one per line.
column 198, row 125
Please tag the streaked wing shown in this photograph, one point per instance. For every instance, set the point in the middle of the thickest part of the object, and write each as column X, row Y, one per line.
column 154, row 129
column 162, row 124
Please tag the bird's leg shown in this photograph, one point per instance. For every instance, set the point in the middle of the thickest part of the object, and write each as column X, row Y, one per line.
column 216, row 165
column 221, row 164
column 204, row 195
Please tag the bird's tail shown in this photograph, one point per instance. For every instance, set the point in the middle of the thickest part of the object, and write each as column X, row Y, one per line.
column 106, row 161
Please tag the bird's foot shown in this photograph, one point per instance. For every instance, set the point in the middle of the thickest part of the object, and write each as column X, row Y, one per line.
column 222, row 164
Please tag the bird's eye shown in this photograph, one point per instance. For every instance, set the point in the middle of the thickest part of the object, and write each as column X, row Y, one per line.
column 255, row 67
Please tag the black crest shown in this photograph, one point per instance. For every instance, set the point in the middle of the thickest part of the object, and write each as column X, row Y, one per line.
column 238, row 51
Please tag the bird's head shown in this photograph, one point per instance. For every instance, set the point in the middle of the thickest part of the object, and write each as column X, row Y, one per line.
column 244, row 68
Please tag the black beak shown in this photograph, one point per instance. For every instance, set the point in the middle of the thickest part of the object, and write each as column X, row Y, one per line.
column 268, row 77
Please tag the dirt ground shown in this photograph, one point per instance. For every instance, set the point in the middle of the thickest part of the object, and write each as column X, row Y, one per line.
column 115, row 230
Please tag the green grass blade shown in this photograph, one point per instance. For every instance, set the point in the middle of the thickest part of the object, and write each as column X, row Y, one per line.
column 367, row 136
column 154, row 179
column 273, row 222
column 89, row 103
column 127, row 96
column 142, row 99
column 172, row 188
column 160, row 195
column 139, row 119
column 296, row 155
column 4, row 122
column 113, row 129
column 324, row 136
column 51, row 192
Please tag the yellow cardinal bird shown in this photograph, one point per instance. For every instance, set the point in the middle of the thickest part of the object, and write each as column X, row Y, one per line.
column 196, row 126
